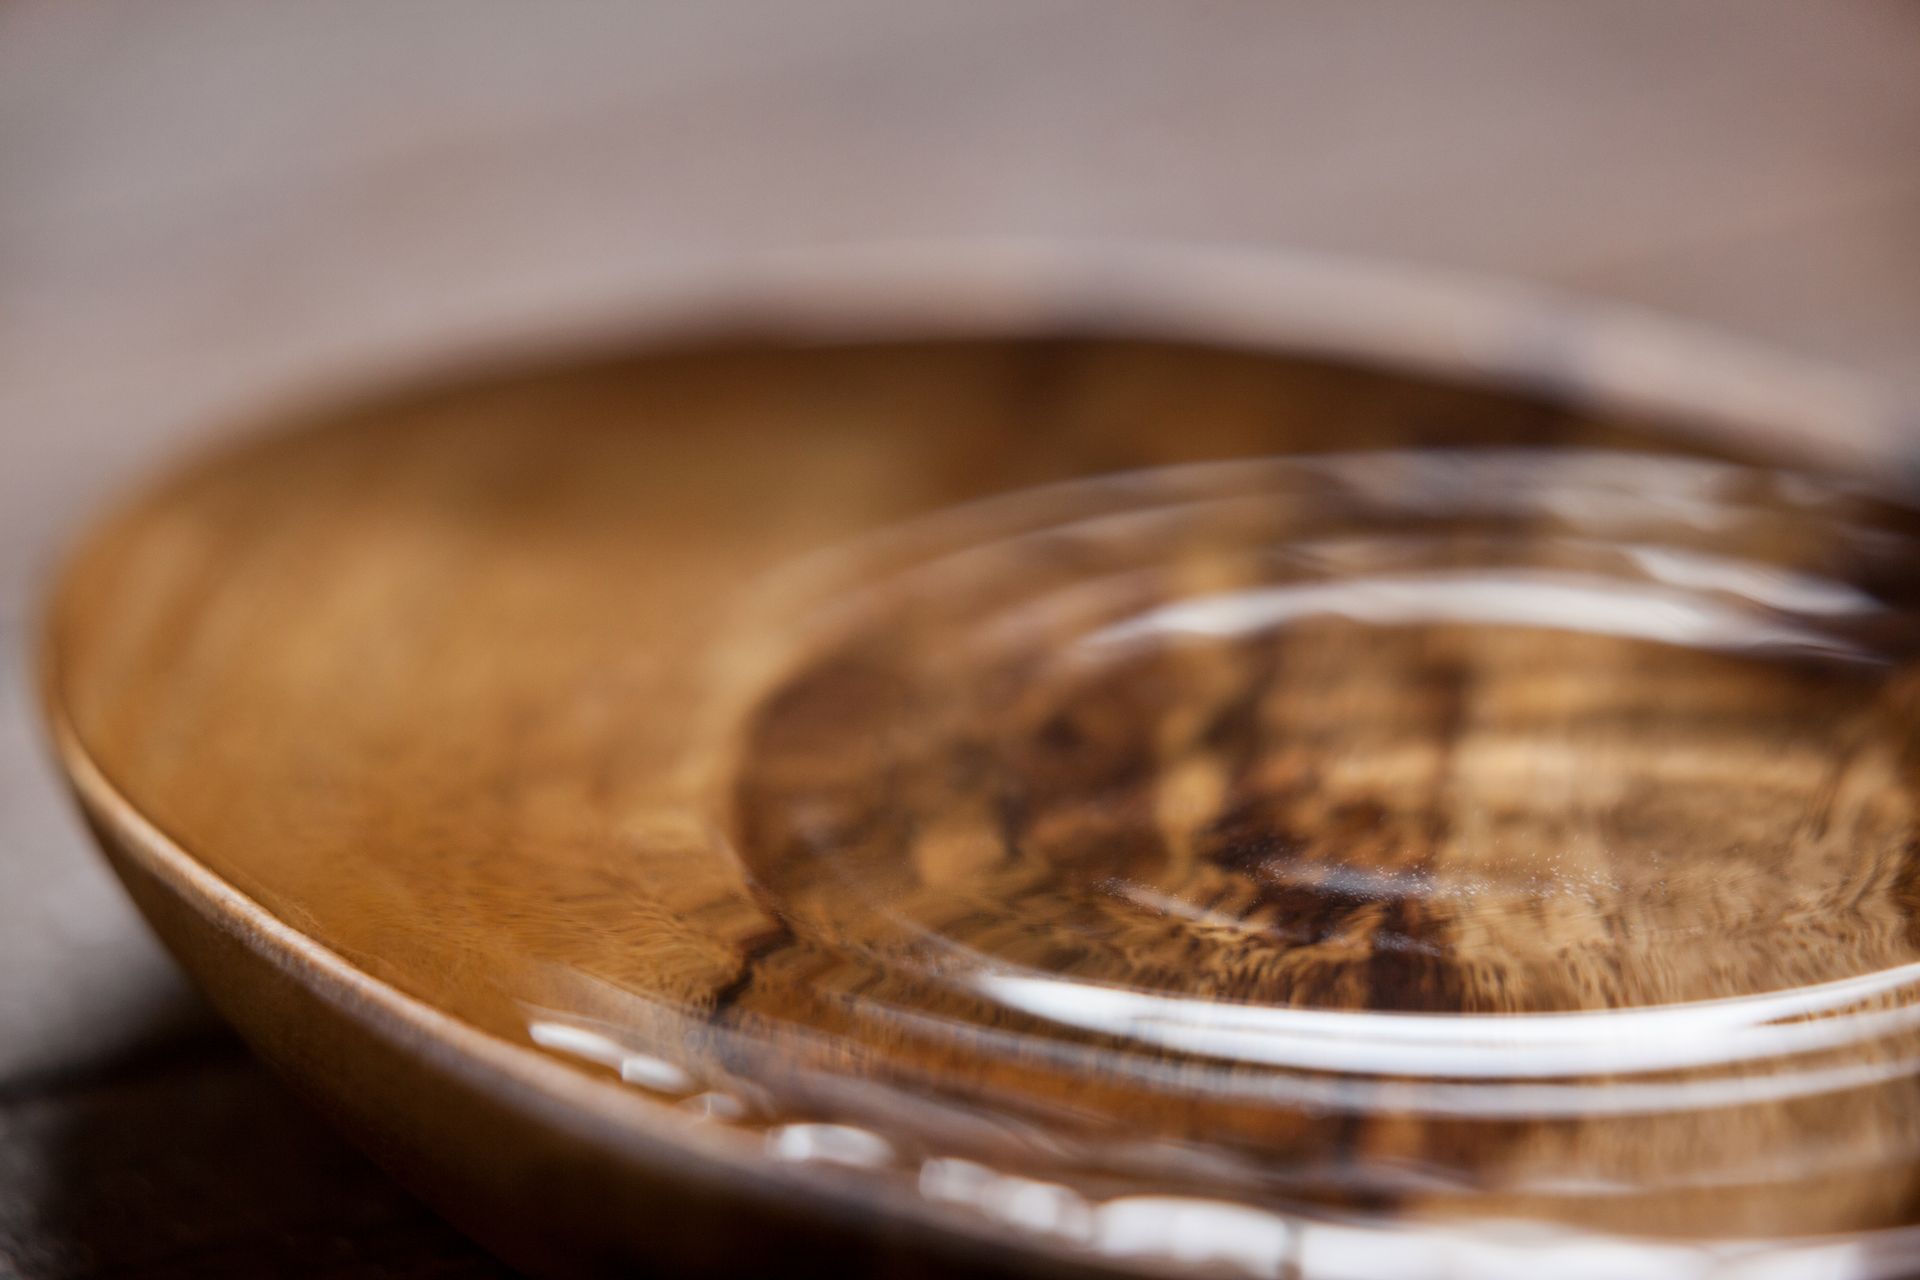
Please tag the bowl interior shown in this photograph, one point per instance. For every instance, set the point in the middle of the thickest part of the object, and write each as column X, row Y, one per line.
column 1065, row 780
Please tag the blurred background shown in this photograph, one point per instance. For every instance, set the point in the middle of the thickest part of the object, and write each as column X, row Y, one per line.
column 208, row 205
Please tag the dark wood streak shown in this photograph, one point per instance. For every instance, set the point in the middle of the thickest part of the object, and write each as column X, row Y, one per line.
column 1411, row 967
column 752, row 955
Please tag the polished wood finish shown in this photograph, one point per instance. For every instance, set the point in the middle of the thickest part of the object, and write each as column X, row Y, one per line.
column 462, row 688
column 1772, row 199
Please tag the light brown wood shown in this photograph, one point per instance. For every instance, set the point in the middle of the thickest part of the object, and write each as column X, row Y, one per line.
column 637, row 712
column 1743, row 164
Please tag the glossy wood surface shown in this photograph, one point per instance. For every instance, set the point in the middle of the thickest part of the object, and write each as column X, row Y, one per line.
column 1772, row 199
column 504, row 694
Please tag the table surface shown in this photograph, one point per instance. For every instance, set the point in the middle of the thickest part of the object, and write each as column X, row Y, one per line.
column 210, row 203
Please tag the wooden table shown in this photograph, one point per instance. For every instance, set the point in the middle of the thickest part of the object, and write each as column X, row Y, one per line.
column 204, row 205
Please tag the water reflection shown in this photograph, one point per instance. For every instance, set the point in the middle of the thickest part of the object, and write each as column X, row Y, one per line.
column 1405, row 864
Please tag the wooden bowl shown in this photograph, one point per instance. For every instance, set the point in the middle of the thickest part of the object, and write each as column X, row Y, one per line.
column 1007, row 759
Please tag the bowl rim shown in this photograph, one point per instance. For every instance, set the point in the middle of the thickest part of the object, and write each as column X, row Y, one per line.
column 1367, row 313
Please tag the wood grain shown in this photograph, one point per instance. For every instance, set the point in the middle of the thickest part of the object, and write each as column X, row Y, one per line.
column 226, row 226
column 472, row 685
